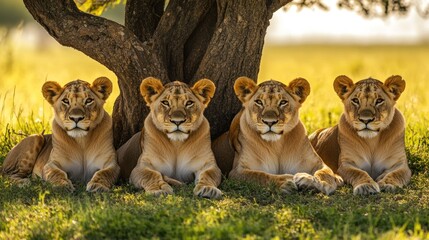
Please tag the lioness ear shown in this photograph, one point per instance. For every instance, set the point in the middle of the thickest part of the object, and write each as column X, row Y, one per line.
column 205, row 89
column 244, row 87
column 51, row 90
column 301, row 88
column 150, row 88
column 342, row 85
column 396, row 85
column 102, row 86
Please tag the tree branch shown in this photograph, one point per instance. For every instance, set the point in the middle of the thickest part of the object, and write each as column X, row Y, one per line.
column 275, row 5
column 142, row 17
column 92, row 35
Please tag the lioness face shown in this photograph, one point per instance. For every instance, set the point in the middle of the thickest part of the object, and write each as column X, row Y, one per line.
column 272, row 107
column 369, row 105
column 176, row 109
column 78, row 106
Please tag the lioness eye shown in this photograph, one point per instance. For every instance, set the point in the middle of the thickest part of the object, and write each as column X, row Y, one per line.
column 65, row 101
column 89, row 101
column 282, row 103
column 379, row 101
column 355, row 100
column 165, row 103
column 189, row 103
column 258, row 102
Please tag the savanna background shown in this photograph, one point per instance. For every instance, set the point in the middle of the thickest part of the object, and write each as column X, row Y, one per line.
column 313, row 44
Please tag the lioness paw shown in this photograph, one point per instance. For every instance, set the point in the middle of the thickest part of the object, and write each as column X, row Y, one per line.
column 96, row 187
column 64, row 183
column 307, row 181
column 325, row 187
column 163, row 191
column 387, row 187
column 21, row 182
column 304, row 180
column 339, row 180
column 288, row 187
column 159, row 193
column 366, row 188
column 207, row 192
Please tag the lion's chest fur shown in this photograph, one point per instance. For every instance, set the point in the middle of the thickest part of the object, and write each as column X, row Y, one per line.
column 180, row 160
column 177, row 164
column 82, row 166
column 80, row 158
column 373, row 155
column 289, row 155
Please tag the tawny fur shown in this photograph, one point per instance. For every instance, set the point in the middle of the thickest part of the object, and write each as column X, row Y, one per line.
column 61, row 158
column 369, row 164
column 167, row 159
column 129, row 153
column 286, row 158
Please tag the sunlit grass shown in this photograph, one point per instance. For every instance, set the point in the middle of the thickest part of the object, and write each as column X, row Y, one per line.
column 246, row 211
column 24, row 69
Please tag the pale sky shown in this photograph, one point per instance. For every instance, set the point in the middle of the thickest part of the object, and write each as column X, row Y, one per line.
column 313, row 25
column 344, row 26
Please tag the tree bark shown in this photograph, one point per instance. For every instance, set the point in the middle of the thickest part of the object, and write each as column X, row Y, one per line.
column 142, row 17
column 192, row 39
column 234, row 50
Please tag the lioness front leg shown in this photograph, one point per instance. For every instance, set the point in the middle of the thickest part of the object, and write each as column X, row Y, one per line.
column 391, row 179
column 207, row 182
column 362, row 183
column 283, row 182
column 150, row 180
column 56, row 176
column 104, row 179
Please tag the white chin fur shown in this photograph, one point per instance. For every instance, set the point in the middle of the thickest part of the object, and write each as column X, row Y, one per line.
column 271, row 137
column 77, row 133
column 177, row 136
column 367, row 134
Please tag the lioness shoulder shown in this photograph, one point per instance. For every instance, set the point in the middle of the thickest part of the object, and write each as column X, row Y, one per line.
column 367, row 146
column 80, row 148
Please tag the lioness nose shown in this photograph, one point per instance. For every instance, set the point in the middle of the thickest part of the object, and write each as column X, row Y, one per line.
column 177, row 117
column 366, row 116
column 366, row 121
column 177, row 122
column 270, row 122
column 76, row 119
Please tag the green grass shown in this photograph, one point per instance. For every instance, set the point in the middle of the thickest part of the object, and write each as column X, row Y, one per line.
column 246, row 211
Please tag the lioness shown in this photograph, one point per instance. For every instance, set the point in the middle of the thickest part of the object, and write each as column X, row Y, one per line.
column 80, row 147
column 175, row 141
column 367, row 147
column 269, row 141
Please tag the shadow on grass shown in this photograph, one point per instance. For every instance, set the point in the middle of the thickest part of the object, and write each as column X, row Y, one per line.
column 418, row 162
column 344, row 214
column 41, row 211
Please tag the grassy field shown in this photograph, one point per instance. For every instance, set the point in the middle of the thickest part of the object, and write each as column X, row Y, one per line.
column 246, row 211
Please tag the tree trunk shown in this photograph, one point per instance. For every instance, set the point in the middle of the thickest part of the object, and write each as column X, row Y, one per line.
column 192, row 39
